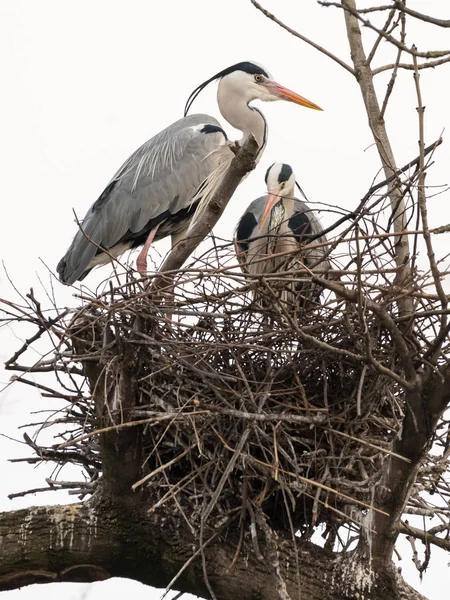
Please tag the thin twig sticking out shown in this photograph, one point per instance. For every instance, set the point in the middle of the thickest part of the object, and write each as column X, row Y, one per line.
column 391, row 83
column 421, row 196
column 273, row 18
column 380, row 135
column 351, row 8
column 417, row 15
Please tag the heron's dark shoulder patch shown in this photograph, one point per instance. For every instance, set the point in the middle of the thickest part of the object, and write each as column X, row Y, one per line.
column 213, row 129
column 104, row 196
column 245, row 229
column 300, row 225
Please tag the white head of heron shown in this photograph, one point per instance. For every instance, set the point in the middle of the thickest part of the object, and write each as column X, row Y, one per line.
column 257, row 84
column 239, row 85
column 251, row 81
column 280, row 181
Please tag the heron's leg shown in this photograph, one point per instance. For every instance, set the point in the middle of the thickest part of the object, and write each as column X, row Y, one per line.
column 141, row 261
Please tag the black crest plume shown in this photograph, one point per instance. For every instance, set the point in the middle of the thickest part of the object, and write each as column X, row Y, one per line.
column 247, row 67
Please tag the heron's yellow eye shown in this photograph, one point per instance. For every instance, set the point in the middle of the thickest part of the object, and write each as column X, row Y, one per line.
column 258, row 78
column 282, row 185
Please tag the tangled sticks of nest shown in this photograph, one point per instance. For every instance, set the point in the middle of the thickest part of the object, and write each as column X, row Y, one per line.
column 244, row 410
column 242, row 406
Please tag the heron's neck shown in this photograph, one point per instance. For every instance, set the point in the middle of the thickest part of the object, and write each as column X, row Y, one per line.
column 280, row 215
column 288, row 202
column 248, row 119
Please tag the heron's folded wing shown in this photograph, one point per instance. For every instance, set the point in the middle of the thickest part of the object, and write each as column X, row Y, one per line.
column 162, row 176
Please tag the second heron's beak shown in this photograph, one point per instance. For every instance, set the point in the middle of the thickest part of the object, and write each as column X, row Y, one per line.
column 284, row 94
column 271, row 200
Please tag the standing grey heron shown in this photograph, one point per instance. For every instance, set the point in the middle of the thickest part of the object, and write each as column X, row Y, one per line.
column 275, row 226
column 171, row 177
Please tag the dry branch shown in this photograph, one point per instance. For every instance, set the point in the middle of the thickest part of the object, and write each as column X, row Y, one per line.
column 350, row 7
column 242, row 163
column 273, row 18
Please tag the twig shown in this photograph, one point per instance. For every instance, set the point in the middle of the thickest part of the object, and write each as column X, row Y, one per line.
column 423, row 210
column 432, row 64
column 391, row 83
column 349, row 6
column 302, row 37
column 422, row 17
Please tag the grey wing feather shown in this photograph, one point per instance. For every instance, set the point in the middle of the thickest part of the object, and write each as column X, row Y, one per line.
column 162, row 175
column 248, row 228
column 316, row 255
column 256, row 208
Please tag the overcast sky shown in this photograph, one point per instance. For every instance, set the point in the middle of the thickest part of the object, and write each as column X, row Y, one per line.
column 84, row 83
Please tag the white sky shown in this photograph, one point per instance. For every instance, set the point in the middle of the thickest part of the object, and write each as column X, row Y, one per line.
column 85, row 83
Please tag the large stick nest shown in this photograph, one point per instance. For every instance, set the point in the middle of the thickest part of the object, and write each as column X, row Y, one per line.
column 271, row 404
column 241, row 404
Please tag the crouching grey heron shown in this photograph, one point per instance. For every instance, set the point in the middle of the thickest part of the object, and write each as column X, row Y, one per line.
column 275, row 226
column 157, row 191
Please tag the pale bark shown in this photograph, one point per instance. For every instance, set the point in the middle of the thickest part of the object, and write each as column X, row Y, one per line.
column 94, row 541
column 364, row 77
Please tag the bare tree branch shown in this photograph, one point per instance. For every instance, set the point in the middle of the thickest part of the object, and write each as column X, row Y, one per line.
column 417, row 15
column 424, row 536
column 242, row 163
column 410, row 67
column 422, row 414
column 302, row 37
column 391, row 83
column 377, row 125
column 356, row 13
column 424, row 214
column 380, row 37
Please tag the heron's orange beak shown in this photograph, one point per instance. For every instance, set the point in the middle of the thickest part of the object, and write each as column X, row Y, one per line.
column 284, row 94
column 271, row 200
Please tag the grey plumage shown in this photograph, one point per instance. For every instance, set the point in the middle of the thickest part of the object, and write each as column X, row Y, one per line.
column 289, row 226
column 171, row 178
column 158, row 180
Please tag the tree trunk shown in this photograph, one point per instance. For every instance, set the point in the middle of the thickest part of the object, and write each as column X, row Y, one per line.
column 97, row 540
